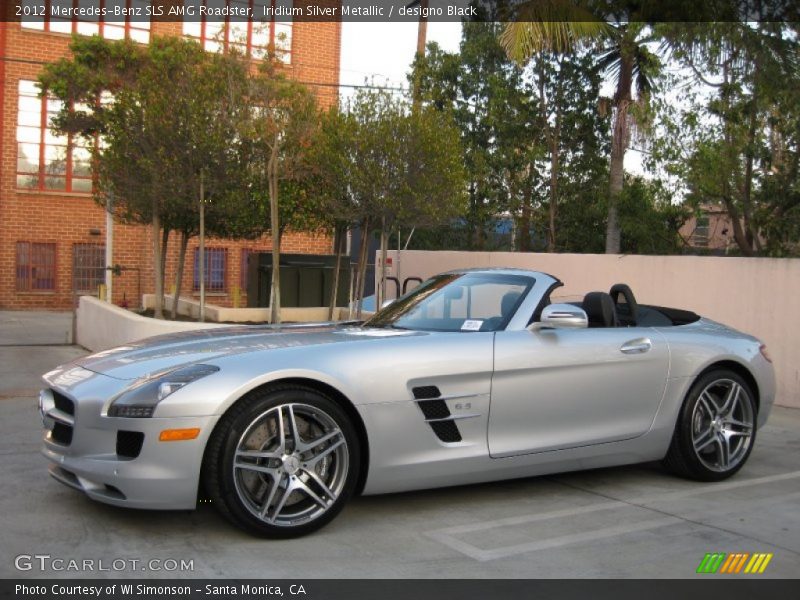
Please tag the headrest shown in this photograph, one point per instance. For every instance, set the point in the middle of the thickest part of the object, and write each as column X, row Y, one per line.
column 599, row 307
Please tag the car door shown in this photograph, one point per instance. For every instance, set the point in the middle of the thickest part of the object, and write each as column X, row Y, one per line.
column 563, row 388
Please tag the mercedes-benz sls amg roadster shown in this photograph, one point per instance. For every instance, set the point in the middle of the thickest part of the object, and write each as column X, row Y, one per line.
column 473, row 376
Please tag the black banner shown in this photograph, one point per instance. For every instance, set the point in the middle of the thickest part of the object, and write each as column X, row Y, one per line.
column 406, row 589
column 651, row 11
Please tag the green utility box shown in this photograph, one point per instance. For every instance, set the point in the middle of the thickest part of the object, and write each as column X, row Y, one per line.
column 306, row 280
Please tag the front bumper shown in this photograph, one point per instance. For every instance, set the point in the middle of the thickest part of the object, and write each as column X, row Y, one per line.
column 89, row 456
column 165, row 475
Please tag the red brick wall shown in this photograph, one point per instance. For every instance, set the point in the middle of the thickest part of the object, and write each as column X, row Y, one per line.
column 67, row 219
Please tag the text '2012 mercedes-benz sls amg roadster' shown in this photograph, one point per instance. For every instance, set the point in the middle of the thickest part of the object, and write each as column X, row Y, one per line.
column 473, row 376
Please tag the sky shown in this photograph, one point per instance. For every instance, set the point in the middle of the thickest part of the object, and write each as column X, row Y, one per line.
column 383, row 52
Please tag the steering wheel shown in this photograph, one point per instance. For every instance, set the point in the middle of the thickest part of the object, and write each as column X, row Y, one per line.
column 625, row 304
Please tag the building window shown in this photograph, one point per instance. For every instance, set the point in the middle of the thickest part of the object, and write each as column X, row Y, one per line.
column 252, row 37
column 216, row 267
column 122, row 19
column 36, row 267
column 88, row 267
column 246, row 254
column 700, row 235
column 46, row 161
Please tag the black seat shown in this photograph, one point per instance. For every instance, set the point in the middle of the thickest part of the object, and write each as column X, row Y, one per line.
column 627, row 308
column 599, row 307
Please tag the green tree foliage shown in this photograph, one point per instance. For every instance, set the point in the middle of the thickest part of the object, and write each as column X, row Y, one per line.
column 279, row 133
column 575, row 172
column 159, row 118
column 741, row 136
column 622, row 50
column 382, row 165
column 539, row 144
column 495, row 115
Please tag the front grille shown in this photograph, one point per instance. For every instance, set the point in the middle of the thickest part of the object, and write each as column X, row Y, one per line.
column 62, row 431
column 129, row 443
column 61, row 434
column 63, row 403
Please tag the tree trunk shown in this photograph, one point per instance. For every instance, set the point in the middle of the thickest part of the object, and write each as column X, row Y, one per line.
column 179, row 273
column 363, row 251
column 525, row 223
column 272, row 174
column 158, row 270
column 747, row 196
column 554, row 165
column 380, row 297
column 739, row 234
column 339, row 238
column 619, row 144
column 164, row 250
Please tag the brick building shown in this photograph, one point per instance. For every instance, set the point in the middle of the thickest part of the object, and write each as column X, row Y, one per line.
column 52, row 233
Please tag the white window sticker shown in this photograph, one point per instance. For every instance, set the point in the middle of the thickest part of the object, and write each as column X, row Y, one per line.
column 471, row 325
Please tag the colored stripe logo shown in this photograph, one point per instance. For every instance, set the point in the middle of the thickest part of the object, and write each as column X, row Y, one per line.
column 734, row 563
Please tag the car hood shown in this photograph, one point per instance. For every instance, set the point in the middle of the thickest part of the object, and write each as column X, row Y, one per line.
column 161, row 353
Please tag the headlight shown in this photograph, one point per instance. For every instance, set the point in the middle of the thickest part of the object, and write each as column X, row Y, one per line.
column 140, row 400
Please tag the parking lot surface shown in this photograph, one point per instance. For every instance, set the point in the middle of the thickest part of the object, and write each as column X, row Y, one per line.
column 624, row 522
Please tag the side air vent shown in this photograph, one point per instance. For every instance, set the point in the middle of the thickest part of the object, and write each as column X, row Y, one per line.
column 426, row 392
column 447, row 431
column 434, row 409
column 436, row 413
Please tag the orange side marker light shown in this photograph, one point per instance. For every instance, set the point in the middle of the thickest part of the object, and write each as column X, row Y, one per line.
column 178, row 435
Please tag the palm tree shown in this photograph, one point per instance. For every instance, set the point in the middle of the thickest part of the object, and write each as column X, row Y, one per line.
column 622, row 53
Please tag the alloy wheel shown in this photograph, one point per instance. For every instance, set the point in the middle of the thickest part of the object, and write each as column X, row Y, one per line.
column 722, row 425
column 290, row 464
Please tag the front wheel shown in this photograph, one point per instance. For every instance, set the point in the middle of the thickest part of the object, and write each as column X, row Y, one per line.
column 716, row 428
column 282, row 462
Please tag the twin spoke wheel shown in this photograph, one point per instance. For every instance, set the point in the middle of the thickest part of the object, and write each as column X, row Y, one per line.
column 283, row 461
column 722, row 425
column 290, row 464
column 716, row 428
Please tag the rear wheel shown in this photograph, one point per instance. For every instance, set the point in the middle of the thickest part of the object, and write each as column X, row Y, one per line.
column 716, row 428
column 282, row 462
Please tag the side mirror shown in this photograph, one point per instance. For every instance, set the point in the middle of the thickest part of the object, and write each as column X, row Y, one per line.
column 561, row 316
column 388, row 302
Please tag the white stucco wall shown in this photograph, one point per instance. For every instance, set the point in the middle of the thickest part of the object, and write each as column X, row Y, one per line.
column 102, row 325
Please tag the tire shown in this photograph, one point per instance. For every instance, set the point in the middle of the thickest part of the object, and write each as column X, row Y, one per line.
column 716, row 429
column 279, row 480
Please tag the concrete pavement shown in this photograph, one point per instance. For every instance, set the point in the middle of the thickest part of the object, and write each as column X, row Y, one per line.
column 33, row 327
column 624, row 522
column 31, row 343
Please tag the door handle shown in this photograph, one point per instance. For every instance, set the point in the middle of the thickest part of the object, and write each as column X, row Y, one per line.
column 638, row 346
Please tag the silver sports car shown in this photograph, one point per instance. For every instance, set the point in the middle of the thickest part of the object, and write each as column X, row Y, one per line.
column 474, row 376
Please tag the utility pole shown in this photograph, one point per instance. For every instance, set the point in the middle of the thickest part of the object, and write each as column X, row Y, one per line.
column 422, row 30
column 422, row 38
column 202, row 251
column 109, row 279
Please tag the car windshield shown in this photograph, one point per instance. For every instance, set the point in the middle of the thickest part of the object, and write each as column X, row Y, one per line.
column 457, row 302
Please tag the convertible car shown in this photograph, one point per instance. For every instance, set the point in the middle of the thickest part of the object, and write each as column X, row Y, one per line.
column 474, row 376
